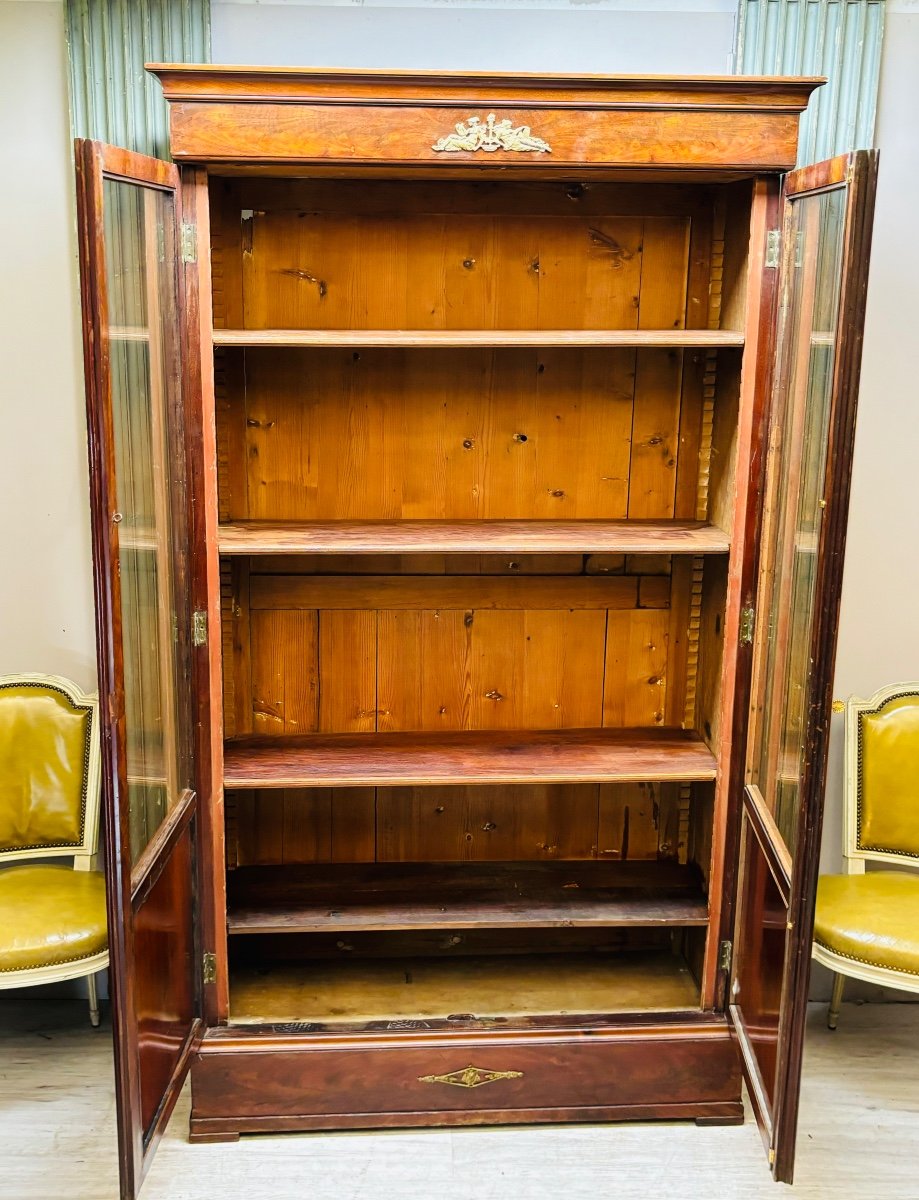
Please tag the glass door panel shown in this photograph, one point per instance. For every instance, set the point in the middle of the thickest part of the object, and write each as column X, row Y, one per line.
column 795, row 504
column 826, row 236
column 150, row 493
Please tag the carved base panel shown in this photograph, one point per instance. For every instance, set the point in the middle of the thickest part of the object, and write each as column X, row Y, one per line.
column 262, row 1081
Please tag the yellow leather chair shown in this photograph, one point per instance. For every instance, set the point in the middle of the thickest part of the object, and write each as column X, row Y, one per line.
column 867, row 924
column 52, row 916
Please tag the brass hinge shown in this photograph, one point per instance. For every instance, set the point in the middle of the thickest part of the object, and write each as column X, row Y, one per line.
column 747, row 624
column 773, row 248
column 799, row 248
column 771, row 1155
column 189, row 242
column 209, row 967
column 199, row 627
column 725, row 954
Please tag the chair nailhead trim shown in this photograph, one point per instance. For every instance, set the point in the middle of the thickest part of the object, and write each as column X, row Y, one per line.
column 61, row 962
column 867, row 961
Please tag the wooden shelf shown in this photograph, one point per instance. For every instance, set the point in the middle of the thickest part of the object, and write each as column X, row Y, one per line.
column 399, row 896
column 483, row 338
column 416, row 759
column 473, row 537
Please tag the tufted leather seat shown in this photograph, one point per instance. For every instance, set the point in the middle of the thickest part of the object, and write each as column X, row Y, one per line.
column 871, row 918
column 50, row 915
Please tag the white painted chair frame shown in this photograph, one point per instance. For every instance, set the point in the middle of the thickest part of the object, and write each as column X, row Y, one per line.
column 855, row 855
column 83, row 853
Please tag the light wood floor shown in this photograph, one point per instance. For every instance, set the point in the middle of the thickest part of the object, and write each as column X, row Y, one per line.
column 859, row 1136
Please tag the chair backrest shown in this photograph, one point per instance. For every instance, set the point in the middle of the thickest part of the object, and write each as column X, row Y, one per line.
column 49, row 769
column 882, row 777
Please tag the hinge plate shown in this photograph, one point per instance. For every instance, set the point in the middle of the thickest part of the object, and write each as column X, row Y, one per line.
column 189, row 242
column 209, row 967
column 199, row 627
column 747, row 625
column 773, row 248
column 725, row 954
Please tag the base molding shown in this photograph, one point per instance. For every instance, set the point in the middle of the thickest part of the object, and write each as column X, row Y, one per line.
column 261, row 1081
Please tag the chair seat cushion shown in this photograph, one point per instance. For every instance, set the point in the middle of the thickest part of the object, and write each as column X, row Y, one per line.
column 871, row 918
column 50, row 915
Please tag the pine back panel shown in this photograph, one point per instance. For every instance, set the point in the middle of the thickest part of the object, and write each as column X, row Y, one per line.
column 367, row 653
column 623, row 822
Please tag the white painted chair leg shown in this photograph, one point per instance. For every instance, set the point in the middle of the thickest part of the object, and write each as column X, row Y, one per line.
column 832, row 1016
column 93, row 1001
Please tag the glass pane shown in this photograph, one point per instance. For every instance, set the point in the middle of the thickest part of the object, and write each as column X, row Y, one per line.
column 794, row 506
column 150, row 496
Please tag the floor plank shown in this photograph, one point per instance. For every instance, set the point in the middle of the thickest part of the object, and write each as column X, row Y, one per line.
column 859, row 1134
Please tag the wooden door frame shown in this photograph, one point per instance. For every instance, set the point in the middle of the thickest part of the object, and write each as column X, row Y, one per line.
column 126, row 889
column 778, row 1121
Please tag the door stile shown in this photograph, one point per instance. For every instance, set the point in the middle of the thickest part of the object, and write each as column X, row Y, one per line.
column 202, row 460
column 755, row 375
column 861, row 176
column 107, row 589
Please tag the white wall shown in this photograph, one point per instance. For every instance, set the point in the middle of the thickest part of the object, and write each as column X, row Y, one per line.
column 46, row 603
column 878, row 629
column 679, row 36
column 45, row 580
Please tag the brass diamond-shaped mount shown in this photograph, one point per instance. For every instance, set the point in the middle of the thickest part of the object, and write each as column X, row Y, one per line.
column 470, row 1077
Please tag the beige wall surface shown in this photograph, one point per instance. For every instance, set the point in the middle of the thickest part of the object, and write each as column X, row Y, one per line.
column 46, row 612
column 878, row 629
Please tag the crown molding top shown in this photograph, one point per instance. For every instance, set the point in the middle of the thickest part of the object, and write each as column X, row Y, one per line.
column 217, row 83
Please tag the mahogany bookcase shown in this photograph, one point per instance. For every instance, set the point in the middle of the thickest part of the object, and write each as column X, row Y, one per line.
column 470, row 464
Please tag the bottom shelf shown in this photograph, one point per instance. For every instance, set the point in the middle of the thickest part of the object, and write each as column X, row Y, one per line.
column 483, row 987
column 391, row 896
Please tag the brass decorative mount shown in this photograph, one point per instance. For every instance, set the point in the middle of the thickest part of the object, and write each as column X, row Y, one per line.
column 472, row 134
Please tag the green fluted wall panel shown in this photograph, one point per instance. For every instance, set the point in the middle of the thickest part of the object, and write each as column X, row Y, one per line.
column 840, row 39
column 112, row 96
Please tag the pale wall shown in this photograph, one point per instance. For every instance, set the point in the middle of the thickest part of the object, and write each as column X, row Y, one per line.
column 679, row 36
column 45, row 580
column 878, row 631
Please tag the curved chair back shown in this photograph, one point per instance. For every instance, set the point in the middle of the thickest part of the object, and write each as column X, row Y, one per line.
column 882, row 777
column 49, row 769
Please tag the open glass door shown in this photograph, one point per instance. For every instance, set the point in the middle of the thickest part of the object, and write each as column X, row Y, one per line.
column 132, row 291
column 826, row 236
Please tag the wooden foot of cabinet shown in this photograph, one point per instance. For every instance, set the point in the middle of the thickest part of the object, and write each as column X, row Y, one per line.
column 736, row 1118
column 261, row 1081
